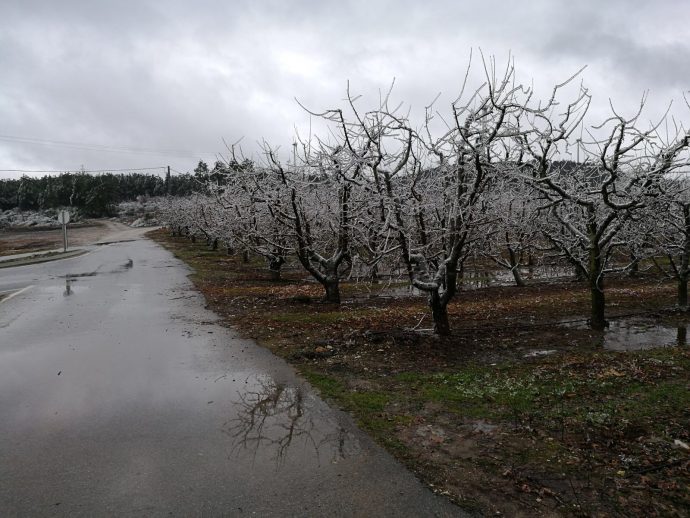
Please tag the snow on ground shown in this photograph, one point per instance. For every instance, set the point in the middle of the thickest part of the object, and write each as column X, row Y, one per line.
column 140, row 213
column 28, row 218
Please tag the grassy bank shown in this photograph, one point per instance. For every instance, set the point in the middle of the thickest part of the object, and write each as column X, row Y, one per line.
column 41, row 258
column 513, row 413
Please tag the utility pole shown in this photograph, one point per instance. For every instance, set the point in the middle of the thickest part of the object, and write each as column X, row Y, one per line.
column 294, row 155
column 167, row 181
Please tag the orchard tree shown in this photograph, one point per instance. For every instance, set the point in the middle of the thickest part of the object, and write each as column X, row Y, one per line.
column 512, row 232
column 317, row 200
column 245, row 218
column 589, row 201
column 664, row 230
column 438, row 197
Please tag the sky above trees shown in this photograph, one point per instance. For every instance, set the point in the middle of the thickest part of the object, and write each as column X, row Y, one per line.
column 134, row 84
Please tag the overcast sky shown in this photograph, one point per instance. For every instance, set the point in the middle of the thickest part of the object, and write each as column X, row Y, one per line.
column 134, row 84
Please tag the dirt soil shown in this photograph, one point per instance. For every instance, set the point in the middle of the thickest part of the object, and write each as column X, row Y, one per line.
column 18, row 241
column 521, row 412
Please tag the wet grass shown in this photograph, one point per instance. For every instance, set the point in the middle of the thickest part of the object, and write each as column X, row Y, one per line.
column 363, row 401
column 582, row 431
column 30, row 248
column 624, row 387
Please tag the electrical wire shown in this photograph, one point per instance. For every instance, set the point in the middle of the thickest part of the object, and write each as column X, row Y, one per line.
column 105, row 148
column 131, row 169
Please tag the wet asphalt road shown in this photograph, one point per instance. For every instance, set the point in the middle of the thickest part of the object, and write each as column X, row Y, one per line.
column 121, row 395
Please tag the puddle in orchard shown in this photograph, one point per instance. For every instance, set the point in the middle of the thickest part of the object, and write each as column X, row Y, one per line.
column 638, row 333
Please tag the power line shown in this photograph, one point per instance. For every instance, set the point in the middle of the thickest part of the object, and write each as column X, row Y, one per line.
column 83, row 170
column 104, row 147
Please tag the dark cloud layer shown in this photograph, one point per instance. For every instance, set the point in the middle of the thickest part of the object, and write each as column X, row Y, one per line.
column 179, row 77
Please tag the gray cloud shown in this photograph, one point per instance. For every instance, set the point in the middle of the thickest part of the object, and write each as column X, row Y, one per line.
column 179, row 76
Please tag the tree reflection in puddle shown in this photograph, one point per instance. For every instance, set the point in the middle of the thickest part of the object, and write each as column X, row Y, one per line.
column 276, row 418
column 636, row 333
column 640, row 334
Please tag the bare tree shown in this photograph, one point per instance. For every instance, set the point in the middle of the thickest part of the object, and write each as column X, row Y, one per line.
column 316, row 200
column 500, row 174
column 513, row 226
column 590, row 200
column 438, row 193
column 664, row 230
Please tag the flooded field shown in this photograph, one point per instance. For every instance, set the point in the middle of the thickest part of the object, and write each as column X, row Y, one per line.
column 631, row 333
column 477, row 279
column 638, row 333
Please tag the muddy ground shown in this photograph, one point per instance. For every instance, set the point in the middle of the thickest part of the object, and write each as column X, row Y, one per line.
column 522, row 412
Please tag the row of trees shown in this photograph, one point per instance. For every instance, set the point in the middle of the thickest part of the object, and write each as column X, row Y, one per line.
column 94, row 194
column 500, row 176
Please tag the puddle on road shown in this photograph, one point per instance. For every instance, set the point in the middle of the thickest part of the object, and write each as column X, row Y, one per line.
column 281, row 421
column 638, row 333
column 71, row 287
column 123, row 268
column 78, row 275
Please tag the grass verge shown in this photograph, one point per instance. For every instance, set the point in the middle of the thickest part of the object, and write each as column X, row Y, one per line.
column 41, row 258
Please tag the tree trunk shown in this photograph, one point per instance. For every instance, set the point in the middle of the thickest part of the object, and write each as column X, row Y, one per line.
column 683, row 292
column 580, row 272
column 214, row 246
column 374, row 274
column 595, row 273
column 518, row 278
column 439, row 313
column 512, row 257
column 332, row 291
column 245, row 257
column 598, row 318
column 230, row 251
column 684, row 269
column 193, row 238
column 275, row 265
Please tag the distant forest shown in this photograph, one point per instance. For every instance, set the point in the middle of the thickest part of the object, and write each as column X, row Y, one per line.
column 97, row 194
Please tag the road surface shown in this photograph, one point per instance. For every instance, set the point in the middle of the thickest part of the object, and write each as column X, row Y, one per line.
column 121, row 395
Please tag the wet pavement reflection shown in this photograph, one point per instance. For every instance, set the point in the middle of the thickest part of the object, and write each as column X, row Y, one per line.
column 121, row 394
column 278, row 418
